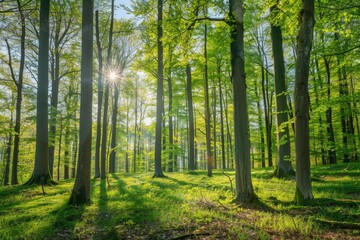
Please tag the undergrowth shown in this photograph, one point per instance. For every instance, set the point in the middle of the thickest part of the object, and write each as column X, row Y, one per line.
column 186, row 206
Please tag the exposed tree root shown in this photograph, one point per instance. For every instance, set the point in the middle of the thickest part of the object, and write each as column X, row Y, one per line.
column 159, row 175
column 283, row 174
column 335, row 224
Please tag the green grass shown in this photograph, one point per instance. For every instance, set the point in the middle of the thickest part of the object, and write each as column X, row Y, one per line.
column 186, row 206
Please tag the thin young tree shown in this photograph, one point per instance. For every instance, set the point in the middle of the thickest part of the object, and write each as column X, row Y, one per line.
column 303, row 193
column 81, row 191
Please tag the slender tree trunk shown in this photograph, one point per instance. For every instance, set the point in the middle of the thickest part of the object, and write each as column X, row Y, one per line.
column 75, row 149
column 106, row 100
column 113, row 135
column 19, row 86
column 160, row 92
column 100, row 97
column 301, row 99
column 136, row 127
column 41, row 174
column 127, row 138
column 66, row 168
column 222, row 134
column 8, row 153
column 329, row 125
column 67, row 149
column 209, row 156
column 81, row 191
column 244, row 189
column 214, row 122
column 261, row 127
column 191, row 141
column 171, row 131
column 284, row 168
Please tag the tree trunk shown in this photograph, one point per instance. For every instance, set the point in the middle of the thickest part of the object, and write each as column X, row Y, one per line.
column 284, row 168
column 222, row 134
column 81, row 191
column 191, row 161
column 244, row 189
column 100, row 97
column 127, row 138
column 41, row 174
column 214, row 123
column 136, row 126
column 19, row 86
column 75, row 149
column 303, row 193
column 171, row 131
column 261, row 127
column 160, row 92
column 106, row 100
column 207, row 109
column 329, row 125
column 113, row 135
column 8, row 153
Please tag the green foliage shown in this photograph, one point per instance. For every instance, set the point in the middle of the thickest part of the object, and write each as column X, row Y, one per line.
column 138, row 206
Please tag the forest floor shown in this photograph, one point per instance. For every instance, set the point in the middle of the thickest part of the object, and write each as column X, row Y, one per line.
column 186, row 206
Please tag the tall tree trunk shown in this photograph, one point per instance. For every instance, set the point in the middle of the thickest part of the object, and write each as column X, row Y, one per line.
column 329, row 125
column 113, row 135
column 171, row 130
column 81, row 191
column 261, row 127
column 244, row 189
column 41, row 173
column 127, row 138
column 214, row 123
column 75, row 149
column 191, row 141
column 106, row 100
column 160, row 92
column 100, row 97
column 301, row 99
column 19, row 87
column 222, row 134
column 67, row 149
column 8, row 153
column 209, row 156
column 66, row 168
column 136, row 126
column 284, row 168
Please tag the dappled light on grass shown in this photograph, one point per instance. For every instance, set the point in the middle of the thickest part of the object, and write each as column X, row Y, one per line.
column 183, row 206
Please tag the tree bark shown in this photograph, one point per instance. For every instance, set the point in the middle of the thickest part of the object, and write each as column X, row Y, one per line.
column 106, row 100
column 303, row 193
column 244, row 189
column 41, row 174
column 81, row 191
column 284, row 168
column 160, row 92
column 222, row 134
column 19, row 87
column 209, row 156
column 100, row 96
column 191, row 161
column 113, row 135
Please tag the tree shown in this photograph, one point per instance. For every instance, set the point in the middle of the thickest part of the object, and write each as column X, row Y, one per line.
column 81, row 191
column 160, row 91
column 284, row 168
column 244, row 189
column 303, row 193
column 41, row 173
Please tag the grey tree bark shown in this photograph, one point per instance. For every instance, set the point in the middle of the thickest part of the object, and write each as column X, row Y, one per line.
column 303, row 194
column 81, row 191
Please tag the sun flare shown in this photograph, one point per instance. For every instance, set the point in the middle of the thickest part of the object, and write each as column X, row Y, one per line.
column 112, row 75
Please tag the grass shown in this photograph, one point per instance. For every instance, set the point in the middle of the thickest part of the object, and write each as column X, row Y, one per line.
column 186, row 206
